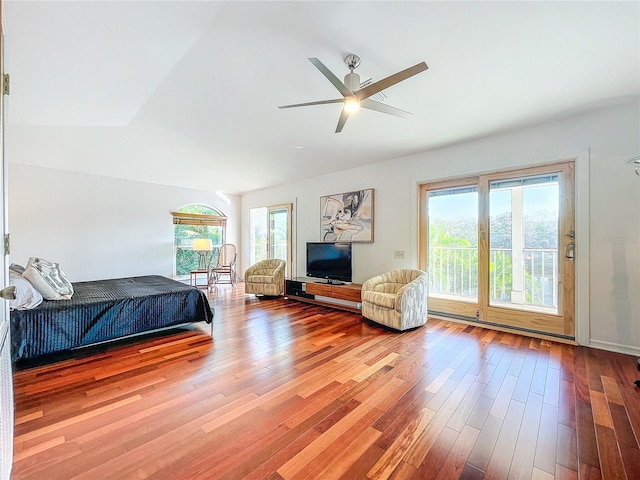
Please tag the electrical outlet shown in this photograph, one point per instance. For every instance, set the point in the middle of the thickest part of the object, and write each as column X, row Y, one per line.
column 398, row 254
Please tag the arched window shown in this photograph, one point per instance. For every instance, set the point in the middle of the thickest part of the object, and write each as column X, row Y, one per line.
column 196, row 222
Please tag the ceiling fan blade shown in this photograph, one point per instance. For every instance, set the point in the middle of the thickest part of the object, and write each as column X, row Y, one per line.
column 381, row 107
column 321, row 102
column 342, row 88
column 343, row 119
column 380, row 85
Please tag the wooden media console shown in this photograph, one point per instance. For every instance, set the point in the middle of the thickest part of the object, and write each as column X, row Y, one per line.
column 346, row 296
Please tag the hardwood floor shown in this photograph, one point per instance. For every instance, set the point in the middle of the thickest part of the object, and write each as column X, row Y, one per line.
column 287, row 390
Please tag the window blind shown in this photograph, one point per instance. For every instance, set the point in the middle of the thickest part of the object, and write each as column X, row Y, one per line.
column 198, row 219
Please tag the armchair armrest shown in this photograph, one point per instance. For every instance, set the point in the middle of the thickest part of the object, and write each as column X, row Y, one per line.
column 420, row 282
column 410, row 292
column 278, row 273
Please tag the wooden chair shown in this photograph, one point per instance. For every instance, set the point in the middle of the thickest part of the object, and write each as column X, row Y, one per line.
column 224, row 270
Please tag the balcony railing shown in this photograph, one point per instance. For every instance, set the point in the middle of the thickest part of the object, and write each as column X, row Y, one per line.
column 454, row 271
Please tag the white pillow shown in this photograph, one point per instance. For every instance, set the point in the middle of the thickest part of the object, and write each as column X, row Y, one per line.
column 19, row 269
column 48, row 278
column 26, row 296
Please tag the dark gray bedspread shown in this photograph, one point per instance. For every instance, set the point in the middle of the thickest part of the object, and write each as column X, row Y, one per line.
column 104, row 310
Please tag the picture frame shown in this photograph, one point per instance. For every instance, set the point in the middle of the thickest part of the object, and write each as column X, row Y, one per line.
column 348, row 216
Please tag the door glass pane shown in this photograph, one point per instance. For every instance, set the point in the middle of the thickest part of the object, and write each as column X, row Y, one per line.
column 259, row 230
column 523, row 270
column 279, row 221
column 453, row 243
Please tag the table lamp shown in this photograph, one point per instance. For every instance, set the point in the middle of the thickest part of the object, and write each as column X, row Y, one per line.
column 202, row 246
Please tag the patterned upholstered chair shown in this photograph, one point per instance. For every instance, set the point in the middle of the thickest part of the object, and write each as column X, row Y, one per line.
column 265, row 278
column 397, row 299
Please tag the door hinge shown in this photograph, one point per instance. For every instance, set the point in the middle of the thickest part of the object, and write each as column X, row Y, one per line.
column 7, row 244
column 6, row 84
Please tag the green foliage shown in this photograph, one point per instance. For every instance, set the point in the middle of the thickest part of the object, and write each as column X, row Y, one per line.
column 449, row 256
column 541, row 231
column 200, row 209
column 440, row 236
column 453, row 261
column 501, row 230
column 186, row 260
column 500, row 271
column 461, row 232
column 453, row 258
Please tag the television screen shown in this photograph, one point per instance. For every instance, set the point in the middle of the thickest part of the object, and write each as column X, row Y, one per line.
column 329, row 260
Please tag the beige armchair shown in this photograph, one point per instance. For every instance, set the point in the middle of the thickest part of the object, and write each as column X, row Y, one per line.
column 265, row 278
column 397, row 299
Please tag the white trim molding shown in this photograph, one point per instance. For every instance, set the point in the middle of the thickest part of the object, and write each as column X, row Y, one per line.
column 615, row 347
column 582, row 249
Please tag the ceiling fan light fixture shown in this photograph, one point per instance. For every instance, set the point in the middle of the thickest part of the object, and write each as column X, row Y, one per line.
column 352, row 105
column 354, row 95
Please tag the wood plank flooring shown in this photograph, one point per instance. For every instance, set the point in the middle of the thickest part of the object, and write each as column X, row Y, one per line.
column 287, row 390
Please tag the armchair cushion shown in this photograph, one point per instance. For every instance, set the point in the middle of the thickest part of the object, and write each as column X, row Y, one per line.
column 386, row 300
column 266, row 278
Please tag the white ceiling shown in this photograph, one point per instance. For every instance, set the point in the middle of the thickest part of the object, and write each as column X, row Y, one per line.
column 186, row 93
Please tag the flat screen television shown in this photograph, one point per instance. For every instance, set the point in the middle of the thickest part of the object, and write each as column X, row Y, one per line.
column 330, row 261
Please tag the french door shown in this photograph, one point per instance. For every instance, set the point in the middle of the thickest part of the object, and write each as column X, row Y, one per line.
column 271, row 233
column 499, row 248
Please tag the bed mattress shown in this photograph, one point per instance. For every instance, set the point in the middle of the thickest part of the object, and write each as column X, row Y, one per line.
column 104, row 310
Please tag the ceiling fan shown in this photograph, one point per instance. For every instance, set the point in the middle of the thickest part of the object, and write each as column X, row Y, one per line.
column 355, row 97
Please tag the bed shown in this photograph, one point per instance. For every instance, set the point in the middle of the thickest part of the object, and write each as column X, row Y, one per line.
column 105, row 310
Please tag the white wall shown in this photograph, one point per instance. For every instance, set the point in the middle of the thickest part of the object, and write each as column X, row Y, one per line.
column 100, row 227
column 608, row 137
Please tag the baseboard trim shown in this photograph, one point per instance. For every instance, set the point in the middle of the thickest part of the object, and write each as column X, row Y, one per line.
column 615, row 347
column 601, row 345
column 500, row 328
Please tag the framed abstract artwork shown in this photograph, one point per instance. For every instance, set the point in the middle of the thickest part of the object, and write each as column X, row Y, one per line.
column 347, row 217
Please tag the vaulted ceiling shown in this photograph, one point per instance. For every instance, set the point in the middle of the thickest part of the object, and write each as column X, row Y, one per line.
column 186, row 93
